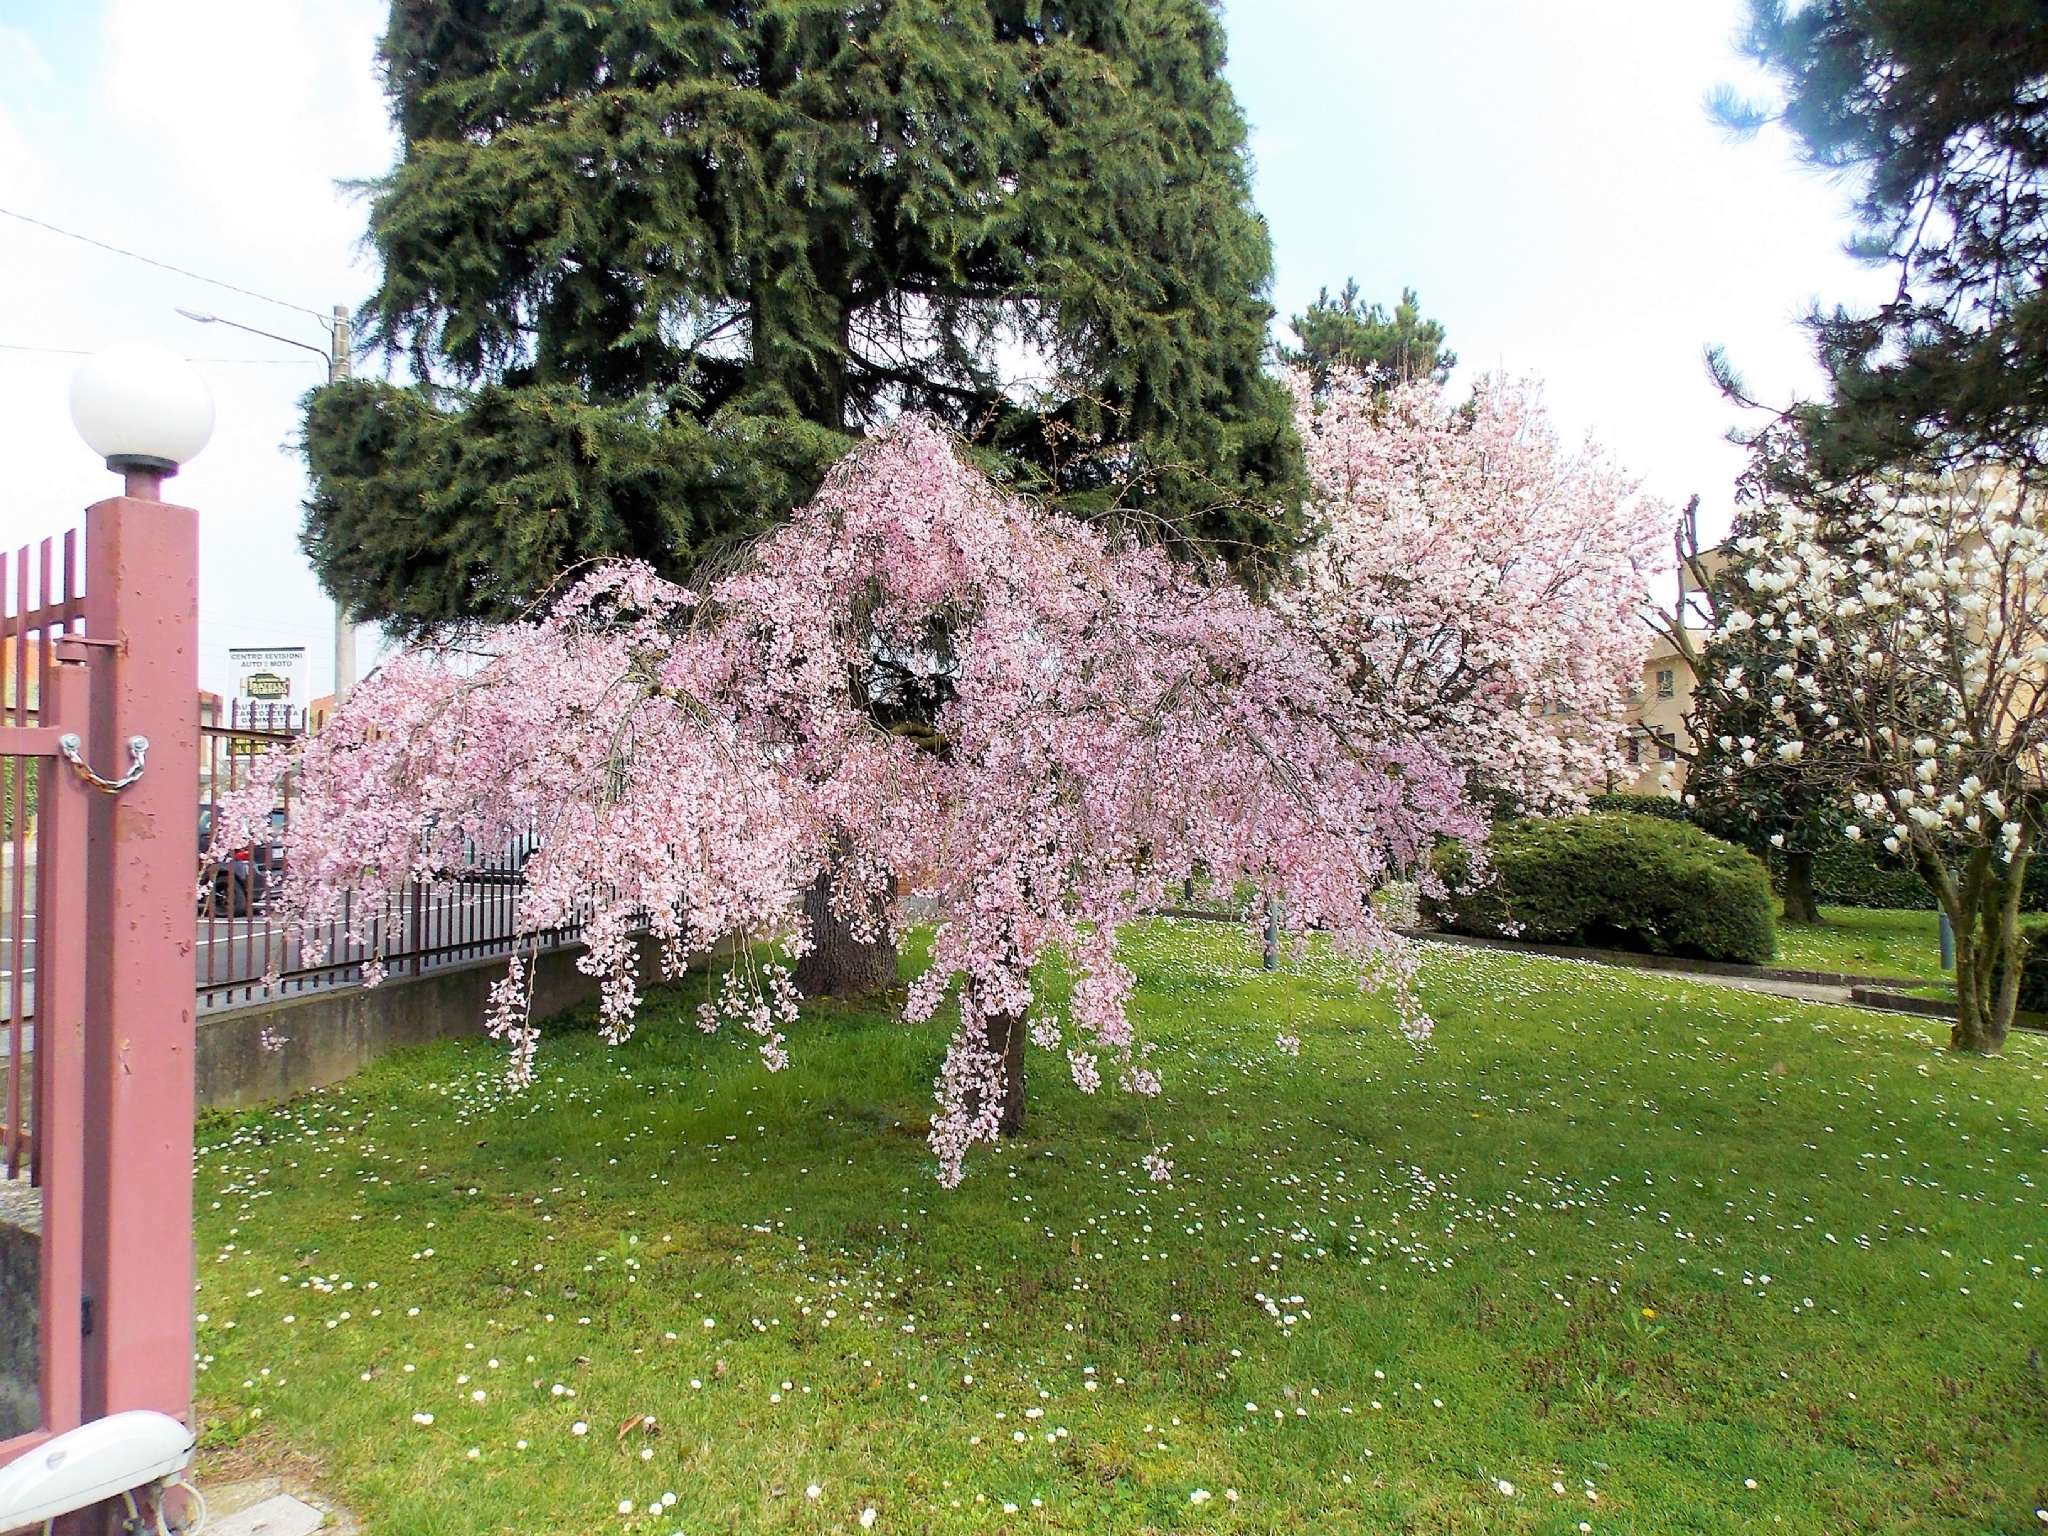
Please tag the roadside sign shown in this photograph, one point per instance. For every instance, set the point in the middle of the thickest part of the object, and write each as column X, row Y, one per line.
column 270, row 684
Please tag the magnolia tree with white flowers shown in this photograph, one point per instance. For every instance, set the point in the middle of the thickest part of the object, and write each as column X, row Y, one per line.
column 1914, row 619
column 1480, row 586
column 1786, row 810
column 918, row 676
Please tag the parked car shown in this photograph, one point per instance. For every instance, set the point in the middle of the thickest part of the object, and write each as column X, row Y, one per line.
column 508, row 868
column 269, row 854
column 239, row 883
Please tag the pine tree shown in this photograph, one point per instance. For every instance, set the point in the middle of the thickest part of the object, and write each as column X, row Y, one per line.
column 1937, row 113
column 1342, row 332
column 660, row 261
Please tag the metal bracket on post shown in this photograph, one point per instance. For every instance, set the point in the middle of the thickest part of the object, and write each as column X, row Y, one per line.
column 73, row 751
column 73, row 650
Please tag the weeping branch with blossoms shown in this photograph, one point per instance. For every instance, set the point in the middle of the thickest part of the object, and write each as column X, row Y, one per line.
column 1913, row 612
column 1480, row 586
column 918, row 675
column 646, row 815
column 1049, row 733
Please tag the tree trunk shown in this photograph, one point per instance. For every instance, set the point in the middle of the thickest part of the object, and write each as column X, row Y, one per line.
column 1980, row 983
column 1987, row 987
column 839, row 964
column 1004, row 1035
column 1983, row 908
column 1800, row 905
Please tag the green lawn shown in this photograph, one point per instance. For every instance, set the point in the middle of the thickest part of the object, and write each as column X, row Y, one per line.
column 1613, row 1253
column 1866, row 941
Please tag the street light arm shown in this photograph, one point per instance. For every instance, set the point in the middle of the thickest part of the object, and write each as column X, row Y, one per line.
column 304, row 346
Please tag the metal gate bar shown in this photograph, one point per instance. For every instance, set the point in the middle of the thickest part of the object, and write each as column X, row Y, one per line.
column 43, row 689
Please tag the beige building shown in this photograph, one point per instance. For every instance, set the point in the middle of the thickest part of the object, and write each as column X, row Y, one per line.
column 1658, row 747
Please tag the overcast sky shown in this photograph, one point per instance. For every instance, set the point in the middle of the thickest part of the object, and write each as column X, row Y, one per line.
column 1543, row 173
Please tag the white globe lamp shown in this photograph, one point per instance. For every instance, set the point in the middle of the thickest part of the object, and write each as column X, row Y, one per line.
column 143, row 409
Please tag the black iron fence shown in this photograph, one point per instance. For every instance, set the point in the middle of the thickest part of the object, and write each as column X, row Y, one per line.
column 241, row 941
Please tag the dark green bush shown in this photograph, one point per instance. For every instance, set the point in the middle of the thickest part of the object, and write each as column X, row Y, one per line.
column 2034, row 965
column 1845, row 874
column 1661, row 806
column 1617, row 881
column 17, row 783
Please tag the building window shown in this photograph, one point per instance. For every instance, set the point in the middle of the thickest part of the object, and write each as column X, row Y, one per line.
column 1635, row 750
column 1667, row 749
column 1667, row 682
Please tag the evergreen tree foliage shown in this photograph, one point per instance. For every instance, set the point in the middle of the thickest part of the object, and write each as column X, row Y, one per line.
column 437, row 505
column 661, row 260
column 1344, row 332
column 1937, row 113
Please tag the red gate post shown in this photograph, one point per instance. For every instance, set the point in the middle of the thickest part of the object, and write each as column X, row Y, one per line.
column 60, row 1041
column 142, row 589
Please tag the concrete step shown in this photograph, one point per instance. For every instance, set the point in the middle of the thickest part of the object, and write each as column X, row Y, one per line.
column 281, row 1515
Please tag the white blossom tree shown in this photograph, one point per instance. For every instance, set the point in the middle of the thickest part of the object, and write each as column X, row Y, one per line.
column 1913, row 612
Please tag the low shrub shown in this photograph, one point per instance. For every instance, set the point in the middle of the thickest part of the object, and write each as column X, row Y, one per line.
column 1862, row 874
column 1845, row 873
column 2034, row 965
column 1616, row 881
column 1663, row 807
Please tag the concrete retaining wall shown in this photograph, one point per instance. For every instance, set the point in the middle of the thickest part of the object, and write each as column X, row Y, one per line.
column 322, row 1037
column 21, row 1291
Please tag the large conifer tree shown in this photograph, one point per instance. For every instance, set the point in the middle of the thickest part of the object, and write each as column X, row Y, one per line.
column 658, row 261
column 1935, row 112
column 1343, row 331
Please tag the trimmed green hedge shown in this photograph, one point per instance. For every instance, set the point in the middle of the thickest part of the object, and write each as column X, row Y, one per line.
column 1845, row 874
column 1864, row 875
column 1663, row 807
column 1617, row 881
column 2034, row 966
column 17, row 780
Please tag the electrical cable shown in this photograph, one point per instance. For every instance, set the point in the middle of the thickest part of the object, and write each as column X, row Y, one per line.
column 268, row 362
column 200, row 277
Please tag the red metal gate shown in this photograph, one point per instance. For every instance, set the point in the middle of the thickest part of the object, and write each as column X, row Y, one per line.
column 96, row 943
column 41, row 1143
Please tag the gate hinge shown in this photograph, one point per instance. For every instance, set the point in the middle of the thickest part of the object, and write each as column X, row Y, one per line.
column 73, row 649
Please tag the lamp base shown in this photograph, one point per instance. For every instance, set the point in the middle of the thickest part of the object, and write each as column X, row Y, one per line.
column 144, row 473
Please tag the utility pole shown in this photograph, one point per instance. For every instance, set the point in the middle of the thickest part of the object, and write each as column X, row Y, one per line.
column 339, row 345
column 338, row 350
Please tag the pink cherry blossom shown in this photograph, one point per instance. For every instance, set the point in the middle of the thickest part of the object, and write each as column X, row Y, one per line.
column 1482, row 588
column 919, row 675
